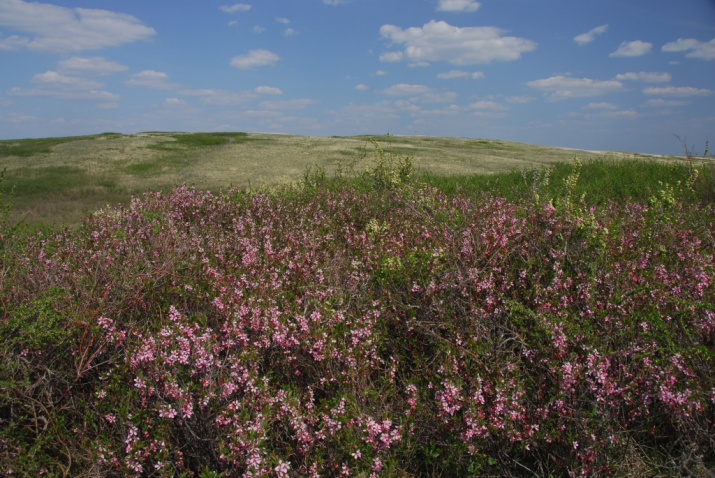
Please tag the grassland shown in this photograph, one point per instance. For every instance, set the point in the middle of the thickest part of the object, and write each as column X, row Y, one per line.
column 61, row 180
column 552, row 318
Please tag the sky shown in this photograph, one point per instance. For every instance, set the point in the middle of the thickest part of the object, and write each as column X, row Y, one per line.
column 617, row 75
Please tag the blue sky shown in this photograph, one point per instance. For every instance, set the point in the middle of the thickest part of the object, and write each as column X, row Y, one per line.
column 622, row 75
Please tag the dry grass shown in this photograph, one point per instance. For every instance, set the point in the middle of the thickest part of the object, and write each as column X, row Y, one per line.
column 62, row 182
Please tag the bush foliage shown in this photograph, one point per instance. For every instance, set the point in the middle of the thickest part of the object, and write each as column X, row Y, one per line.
column 363, row 331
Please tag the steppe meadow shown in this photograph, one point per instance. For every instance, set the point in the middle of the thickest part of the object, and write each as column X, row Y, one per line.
column 232, row 304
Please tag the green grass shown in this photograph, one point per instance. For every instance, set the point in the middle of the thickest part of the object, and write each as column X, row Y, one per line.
column 199, row 140
column 59, row 180
column 601, row 180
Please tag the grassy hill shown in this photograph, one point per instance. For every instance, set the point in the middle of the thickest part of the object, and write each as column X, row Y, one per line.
column 61, row 180
column 556, row 318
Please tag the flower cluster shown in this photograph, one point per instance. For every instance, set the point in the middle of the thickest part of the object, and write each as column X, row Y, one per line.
column 330, row 333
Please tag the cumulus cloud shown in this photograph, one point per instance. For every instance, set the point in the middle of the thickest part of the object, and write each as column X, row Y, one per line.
column 362, row 87
column 681, row 91
column 440, row 41
column 563, row 87
column 696, row 48
column 449, row 75
column 289, row 32
column 420, row 93
column 52, row 84
column 404, row 89
column 13, row 43
column 520, row 100
column 391, row 56
column 488, row 106
column 458, row 6
column 295, row 104
column 660, row 102
column 601, row 106
column 238, row 7
column 336, row 2
column 59, row 29
column 151, row 79
column 254, row 59
column 283, row 20
column 94, row 66
column 64, row 89
column 220, row 97
column 174, row 102
column 632, row 48
column 56, row 80
column 590, row 35
column 268, row 90
column 645, row 76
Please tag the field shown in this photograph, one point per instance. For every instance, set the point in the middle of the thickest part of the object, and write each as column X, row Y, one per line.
column 394, row 317
column 61, row 180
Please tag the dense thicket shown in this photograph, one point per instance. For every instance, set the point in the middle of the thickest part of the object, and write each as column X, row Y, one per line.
column 392, row 331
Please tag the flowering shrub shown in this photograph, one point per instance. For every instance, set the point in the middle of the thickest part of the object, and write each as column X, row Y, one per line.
column 343, row 333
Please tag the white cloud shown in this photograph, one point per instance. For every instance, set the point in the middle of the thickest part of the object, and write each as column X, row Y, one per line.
column 238, row 7
column 151, row 79
column 174, row 102
column 221, row 97
column 67, row 94
column 450, row 110
column 633, row 48
column 253, row 59
column 268, row 90
column 404, row 89
column 625, row 114
column 449, row 75
column 438, row 97
column 258, row 29
column 94, row 66
column 362, row 87
column 380, row 73
column 660, row 102
column 590, row 35
column 391, row 56
column 440, row 41
column 681, row 44
column 488, row 106
column 420, row 93
column 59, row 29
column 704, row 51
column 289, row 32
column 283, row 20
column 336, row 2
column 458, row 6
column 562, row 87
column 645, row 76
column 13, row 43
column 56, row 80
column 520, row 100
column 681, row 91
column 295, row 104
column 601, row 106
column 52, row 84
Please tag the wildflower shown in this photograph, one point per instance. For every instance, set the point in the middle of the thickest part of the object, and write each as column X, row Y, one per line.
column 282, row 469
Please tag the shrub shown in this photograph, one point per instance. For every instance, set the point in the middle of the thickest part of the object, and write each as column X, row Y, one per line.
column 350, row 333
